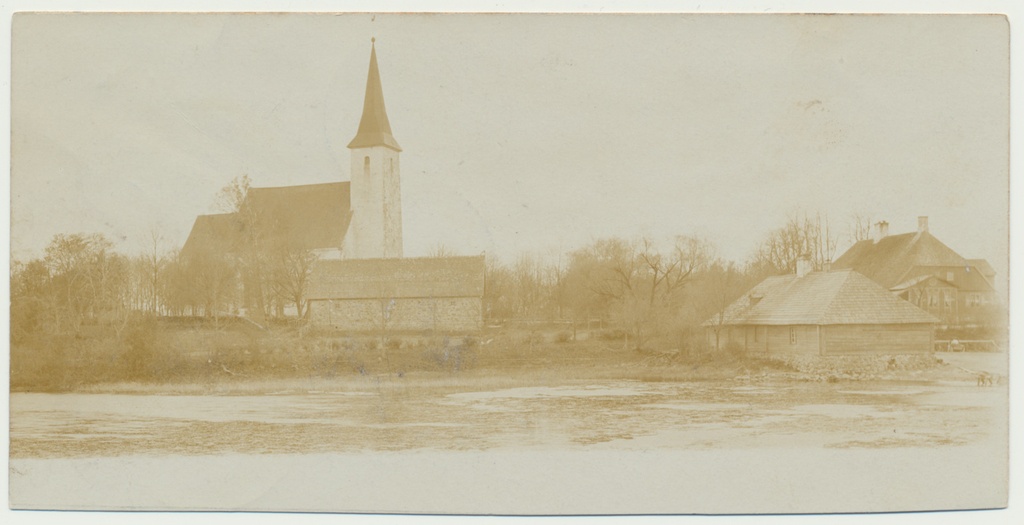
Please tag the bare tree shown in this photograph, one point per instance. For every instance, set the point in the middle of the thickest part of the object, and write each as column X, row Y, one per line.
column 860, row 228
column 637, row 282
column 801, row 235
column 80, row 279
column 153, row 263
column 440, row 251
column 292, row 267
column 716, row 288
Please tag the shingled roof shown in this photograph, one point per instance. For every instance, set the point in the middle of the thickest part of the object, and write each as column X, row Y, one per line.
column 821, row 298
column 397, row 278
column 888, row 260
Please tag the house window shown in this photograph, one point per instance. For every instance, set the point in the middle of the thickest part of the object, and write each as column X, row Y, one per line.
column 792, row 335
column 949, row 276
column 366, row 166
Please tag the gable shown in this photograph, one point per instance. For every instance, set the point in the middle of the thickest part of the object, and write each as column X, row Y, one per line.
column 311, row 216
column 822, row 298
column 888, row 261
column 217, row 233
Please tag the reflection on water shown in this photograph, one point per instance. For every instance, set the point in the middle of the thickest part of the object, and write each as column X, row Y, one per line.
column 402, row 415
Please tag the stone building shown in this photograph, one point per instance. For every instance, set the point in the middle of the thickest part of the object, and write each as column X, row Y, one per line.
column 399, row 295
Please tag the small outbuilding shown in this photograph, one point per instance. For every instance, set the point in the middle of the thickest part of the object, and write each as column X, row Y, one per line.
column 822, row 313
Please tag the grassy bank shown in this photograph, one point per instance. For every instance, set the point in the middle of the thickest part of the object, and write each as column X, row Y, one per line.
column 153, row 356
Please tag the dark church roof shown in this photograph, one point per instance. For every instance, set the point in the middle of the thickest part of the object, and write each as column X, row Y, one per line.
column 422, row 277
column 888, row 260
column 218, row 233
column 374, row 128
column 821, row 298
column 311, row 216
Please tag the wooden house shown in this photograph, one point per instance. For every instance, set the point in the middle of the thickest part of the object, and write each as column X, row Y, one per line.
column 821, row 313
column 922, row 270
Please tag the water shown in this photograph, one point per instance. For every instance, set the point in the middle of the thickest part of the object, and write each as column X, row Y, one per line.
column 609, row 414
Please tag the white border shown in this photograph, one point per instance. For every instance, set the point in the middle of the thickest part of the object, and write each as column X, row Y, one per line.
column 1014, row 9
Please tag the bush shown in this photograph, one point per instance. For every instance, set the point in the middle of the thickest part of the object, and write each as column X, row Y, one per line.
column 563, row 337
column 451, row 357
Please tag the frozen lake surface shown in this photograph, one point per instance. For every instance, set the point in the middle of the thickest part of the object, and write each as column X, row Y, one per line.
column 614, row 446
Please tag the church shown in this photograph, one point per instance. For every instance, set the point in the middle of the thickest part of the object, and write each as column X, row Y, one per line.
column 349, row 234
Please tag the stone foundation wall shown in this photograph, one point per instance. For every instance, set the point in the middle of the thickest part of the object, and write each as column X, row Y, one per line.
column 448, row 314
column 855, row 366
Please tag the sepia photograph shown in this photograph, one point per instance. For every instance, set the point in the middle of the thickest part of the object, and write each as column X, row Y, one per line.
column 525, row 264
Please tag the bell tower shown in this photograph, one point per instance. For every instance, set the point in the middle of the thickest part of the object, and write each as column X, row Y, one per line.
column 375, row 230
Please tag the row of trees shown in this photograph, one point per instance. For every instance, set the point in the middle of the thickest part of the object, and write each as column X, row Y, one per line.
column 81, row 280
column 646, row 288
column 649, row 289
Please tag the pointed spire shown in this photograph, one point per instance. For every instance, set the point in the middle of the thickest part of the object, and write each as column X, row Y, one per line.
column 374, row 128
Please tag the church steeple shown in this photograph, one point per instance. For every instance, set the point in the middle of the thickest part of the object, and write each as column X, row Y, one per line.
column 374, row 128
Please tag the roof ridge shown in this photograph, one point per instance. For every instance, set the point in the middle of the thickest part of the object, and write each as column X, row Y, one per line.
column 836, row 292
column 343, row 182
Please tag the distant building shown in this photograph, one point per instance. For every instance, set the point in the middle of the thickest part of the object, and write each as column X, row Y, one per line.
column 399, row 295
column 354, row 230
column 921, row 269
column 821, row 313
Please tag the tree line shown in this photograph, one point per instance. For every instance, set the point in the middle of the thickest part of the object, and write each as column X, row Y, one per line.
column 645, row 289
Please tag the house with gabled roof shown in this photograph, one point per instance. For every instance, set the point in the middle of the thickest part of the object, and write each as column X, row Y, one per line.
column 919, row 268
column 821, row 313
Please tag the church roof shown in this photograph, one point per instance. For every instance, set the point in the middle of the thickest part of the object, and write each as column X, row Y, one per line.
column 821, row 298
column 374, row 128
column 216, row 233
column 411, row 277
column 888, row 260
column 310, row 216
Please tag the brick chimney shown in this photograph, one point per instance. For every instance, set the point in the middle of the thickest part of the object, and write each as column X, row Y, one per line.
column 881, row 231
column 922, row 224
column 803, row 265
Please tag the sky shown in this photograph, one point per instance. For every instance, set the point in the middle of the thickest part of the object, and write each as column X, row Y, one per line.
column 520, row 133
